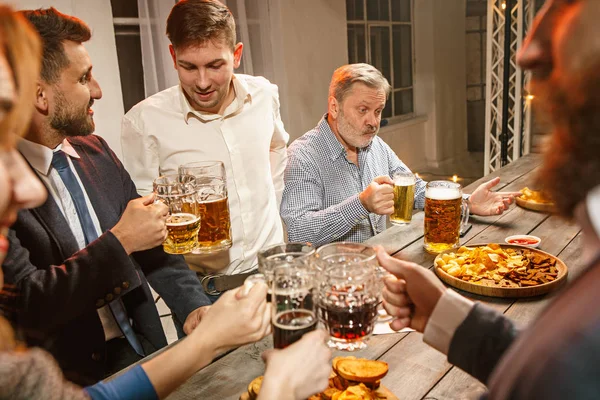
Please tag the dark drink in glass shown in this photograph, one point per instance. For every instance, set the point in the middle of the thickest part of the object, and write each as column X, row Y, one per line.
column 290, row 325
column 349, row 323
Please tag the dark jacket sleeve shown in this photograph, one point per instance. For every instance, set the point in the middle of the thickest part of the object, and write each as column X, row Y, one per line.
column 480, row 341
column 51, row 296
column 168, row 274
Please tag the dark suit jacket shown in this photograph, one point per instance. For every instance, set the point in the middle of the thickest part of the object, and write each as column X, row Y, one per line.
column 557, row 357
column 61, row 287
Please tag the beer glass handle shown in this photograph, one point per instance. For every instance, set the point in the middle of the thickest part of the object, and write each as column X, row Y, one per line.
column 465, row 215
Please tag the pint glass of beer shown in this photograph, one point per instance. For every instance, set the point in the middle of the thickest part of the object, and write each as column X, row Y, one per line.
column 445, row 212
column 292, row 304
column 295, row 254
column 404, row 197
column 348, row 292
column 213, row 208
column 178, row 193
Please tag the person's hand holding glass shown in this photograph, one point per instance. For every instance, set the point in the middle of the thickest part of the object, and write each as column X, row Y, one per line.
column 178, row 193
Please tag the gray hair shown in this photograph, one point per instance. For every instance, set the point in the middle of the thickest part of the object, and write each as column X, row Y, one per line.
column 347, row 75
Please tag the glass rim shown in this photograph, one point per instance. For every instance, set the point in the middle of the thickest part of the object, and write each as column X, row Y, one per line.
column 273, row 246
column 197, row 164
column 445, row 183
column 319, row 251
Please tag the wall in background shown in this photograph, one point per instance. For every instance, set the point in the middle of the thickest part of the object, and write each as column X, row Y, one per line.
column 103, row 52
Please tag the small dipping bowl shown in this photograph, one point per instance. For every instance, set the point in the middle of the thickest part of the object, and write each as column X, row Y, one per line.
column 524, row 240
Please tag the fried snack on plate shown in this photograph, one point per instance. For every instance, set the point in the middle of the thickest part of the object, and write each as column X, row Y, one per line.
column 361, row 370
column 537, row 196
column 493, row 265
column 254, row 387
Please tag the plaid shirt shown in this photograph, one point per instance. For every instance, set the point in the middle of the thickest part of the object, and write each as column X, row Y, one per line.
column 320, row 201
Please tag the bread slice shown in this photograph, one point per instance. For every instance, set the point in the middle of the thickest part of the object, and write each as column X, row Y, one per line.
column 361, row 370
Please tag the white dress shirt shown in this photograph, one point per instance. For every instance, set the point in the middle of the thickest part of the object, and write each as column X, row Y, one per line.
column 164, row 131
column 40, row 158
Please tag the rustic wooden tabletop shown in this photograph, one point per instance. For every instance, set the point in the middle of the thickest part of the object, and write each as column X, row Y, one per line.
column 417, row 371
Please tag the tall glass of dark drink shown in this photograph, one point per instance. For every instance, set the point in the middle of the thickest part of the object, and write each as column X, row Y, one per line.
column 296, row 254
column 293, row 305
column 348, row 293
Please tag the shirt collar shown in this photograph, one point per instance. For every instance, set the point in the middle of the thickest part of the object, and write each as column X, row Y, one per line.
column 40, row 156
column 242, row 94
column 334, row 148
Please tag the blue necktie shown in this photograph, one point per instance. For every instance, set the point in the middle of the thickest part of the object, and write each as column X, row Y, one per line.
column 61, row 164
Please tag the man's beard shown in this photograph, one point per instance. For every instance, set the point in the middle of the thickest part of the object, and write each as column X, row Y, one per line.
column 571, row 165
column 70, row 121
column 353, row 136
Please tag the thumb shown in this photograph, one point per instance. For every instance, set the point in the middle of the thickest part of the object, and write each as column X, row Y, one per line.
column 267, row 354
column 490, row 184
column 148, row 199
column 383, row 179
column 392, row 265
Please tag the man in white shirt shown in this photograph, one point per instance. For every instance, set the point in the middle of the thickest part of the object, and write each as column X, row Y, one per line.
column 558, row 356
column 214, row 114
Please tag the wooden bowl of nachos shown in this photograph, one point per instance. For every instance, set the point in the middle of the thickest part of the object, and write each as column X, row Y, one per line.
column 500, row 270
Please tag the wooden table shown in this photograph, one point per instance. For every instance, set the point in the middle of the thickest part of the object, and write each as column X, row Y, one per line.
column 417, row 371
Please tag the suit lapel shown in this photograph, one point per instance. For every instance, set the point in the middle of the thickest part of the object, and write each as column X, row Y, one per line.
column 57, row 227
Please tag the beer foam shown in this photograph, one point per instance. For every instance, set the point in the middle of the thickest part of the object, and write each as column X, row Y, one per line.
column 180, row 215
column 404, row 180
column 440, row 193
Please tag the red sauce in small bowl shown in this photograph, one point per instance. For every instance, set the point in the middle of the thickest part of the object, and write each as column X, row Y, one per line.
column 523, row 241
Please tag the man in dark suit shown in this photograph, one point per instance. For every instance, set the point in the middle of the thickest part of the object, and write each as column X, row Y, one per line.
column 558, row 356
column 81, row 260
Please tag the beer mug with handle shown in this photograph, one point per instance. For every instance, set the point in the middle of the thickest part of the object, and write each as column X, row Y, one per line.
column 404, row 197
column 445, row 212
column 293, row 304
column 212, row 203
column 349, row 285
column 178, row 193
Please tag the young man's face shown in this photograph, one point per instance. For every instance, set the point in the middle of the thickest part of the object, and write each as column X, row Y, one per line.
column 70, row 99
column 205, row 73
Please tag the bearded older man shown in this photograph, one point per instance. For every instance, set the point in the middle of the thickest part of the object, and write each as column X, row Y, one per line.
column 338, row 184
column 558, row 356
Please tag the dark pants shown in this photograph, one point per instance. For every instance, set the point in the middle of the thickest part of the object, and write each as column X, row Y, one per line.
column 120, row 354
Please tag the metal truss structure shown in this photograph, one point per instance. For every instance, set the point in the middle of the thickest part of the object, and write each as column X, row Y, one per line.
column 517, row 110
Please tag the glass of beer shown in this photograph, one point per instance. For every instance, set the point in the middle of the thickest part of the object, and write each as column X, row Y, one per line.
column 178, row 193
column 213, row 207
column 296, row 254
column 404, row 197
column 445, row 212
column 292, row 304
column 348, row 292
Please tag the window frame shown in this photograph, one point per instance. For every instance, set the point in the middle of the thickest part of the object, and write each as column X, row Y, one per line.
column 367, row 24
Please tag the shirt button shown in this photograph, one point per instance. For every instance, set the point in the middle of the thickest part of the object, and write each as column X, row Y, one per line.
column 125, row 285
column 109, row 297
column 100, row 303
column 117, row 291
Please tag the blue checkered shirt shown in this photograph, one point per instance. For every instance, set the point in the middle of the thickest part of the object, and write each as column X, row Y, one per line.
column 320, row 201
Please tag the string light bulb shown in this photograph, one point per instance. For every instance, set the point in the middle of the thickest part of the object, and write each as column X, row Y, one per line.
column 454, row 178
column 530, row 97
column 503, row 5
